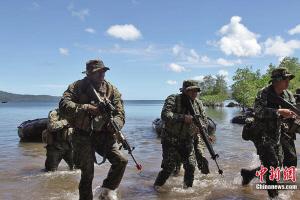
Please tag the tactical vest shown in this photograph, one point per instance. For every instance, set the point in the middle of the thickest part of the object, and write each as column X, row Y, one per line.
column 180, row 130
column 271, row 128
column 83, row 120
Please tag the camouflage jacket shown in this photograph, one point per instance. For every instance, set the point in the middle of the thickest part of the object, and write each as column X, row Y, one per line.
column 80, row 93
column 57, row 126
column 173, row 113
column 269, row 123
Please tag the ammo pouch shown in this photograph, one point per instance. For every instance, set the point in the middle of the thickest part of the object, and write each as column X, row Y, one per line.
column 249, row 130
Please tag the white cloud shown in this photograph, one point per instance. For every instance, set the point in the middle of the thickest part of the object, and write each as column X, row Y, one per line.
column 238, row 40
column 171, row 82
column 295, row 30
column 177, row 49
column 176, row 68
column 189, row 55
column 223, row 72
column 205, row 59
column 224, row 62
column 81, row 14
column 198, row 78
column 146, row 52
column 278, row 47
column 90, row 30
column 193, row 57
column 124, row 32
column 64, row 51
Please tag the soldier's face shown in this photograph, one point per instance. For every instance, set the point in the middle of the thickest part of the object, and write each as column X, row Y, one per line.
column 97, row 77
column 283, row 84
column 192, row 93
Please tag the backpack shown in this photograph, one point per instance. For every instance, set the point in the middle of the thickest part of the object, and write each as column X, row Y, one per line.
column 249, row 131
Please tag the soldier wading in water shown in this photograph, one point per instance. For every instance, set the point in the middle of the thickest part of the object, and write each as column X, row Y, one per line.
column 273, row 136
column 92, row 132
column 179, row 133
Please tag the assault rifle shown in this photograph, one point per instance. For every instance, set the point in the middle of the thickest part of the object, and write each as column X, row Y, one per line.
column 106, row 106
column 285, row 104
column 282, row 102
column 204, row 134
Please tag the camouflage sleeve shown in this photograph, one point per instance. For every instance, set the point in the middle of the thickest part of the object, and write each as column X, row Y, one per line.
column 117, row 102
column 292, row 98
column 68, row 104
column 260, row 107
column 54, row 122
column 168, row 114
column 203, row 113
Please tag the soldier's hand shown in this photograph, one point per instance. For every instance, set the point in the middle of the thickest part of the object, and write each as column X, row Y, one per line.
column 286, row 113
column 188, row 119
column 93, row 110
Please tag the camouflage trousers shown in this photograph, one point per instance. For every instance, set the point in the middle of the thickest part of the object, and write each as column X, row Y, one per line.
column 104, row 144
column 271, row 155
column 289, row 152
column 56, row 152
column 202, row 162
column 170, row 153
column 289, row 155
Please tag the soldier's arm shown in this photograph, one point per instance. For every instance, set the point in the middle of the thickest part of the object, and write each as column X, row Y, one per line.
column 292, row 98
column 261, row 108
column 168, row 113
column 119, row 114
column 55, row 123
column 203, row 113
column 68, row 104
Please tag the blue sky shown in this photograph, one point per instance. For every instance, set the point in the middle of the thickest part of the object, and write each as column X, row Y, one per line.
column 150, row 46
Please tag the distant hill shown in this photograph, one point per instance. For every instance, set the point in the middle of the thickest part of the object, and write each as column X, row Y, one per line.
column 10, row 97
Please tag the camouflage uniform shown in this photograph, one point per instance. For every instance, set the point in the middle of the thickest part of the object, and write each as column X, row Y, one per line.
column 202, row 162
column 88, row 138
column 59, row 144
column 288, row 144
column 289, row 129
column 178, row 138
column 270, row 127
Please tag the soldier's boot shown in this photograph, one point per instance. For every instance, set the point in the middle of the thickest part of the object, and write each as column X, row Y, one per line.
column 188, row 178
column 161, row 180
column 248, row 175
column 108, row 194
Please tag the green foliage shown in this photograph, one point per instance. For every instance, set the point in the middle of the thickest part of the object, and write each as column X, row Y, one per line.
column 213, row 90
column 248, row 83
column 214, row 99
column 245, row 87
